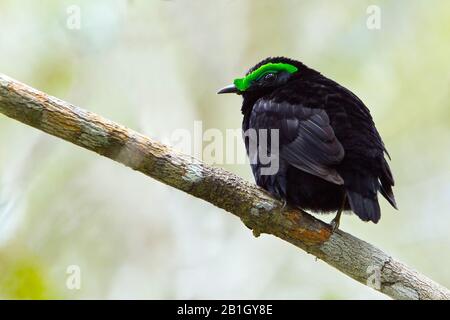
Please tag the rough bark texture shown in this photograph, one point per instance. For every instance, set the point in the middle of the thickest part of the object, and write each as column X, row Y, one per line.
column 257, row 209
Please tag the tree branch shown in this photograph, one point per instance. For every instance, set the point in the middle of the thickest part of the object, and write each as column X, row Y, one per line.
column 257, row 209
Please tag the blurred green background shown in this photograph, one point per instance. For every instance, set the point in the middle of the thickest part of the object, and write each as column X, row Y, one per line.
column 155, row 66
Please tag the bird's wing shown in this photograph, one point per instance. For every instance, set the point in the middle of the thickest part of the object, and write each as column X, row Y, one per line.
column 306, row 138
column 365, row 170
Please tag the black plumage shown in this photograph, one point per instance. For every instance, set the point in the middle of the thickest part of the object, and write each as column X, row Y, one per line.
column 331, row 156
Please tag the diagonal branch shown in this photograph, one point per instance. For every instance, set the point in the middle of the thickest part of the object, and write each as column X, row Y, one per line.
column 258, row 210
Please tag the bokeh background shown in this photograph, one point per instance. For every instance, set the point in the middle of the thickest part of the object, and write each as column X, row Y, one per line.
column 155, row 66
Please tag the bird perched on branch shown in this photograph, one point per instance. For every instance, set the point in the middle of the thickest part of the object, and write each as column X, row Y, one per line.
column 330, row 156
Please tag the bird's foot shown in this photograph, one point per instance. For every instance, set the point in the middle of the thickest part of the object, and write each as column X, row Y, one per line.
column 284, row 205
column 334, row 225
column 335, row 222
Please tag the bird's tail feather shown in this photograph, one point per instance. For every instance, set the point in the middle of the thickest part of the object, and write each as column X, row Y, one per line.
column 367, row 209
column 386, row 184
column 362, row 196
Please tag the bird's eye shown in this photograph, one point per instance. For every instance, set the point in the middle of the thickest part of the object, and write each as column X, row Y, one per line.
column 269, row 77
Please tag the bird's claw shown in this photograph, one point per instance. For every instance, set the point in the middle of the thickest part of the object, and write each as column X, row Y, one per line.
column 334, row 225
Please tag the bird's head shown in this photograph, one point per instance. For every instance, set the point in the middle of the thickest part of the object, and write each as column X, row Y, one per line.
column 266, row 76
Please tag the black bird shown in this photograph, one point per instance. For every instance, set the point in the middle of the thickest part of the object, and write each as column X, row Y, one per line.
column 330, row 155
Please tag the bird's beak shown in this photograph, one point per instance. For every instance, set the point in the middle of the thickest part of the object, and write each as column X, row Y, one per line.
column 229, row 89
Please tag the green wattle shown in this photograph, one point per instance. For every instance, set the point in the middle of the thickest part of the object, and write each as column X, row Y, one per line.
column 244, row 83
